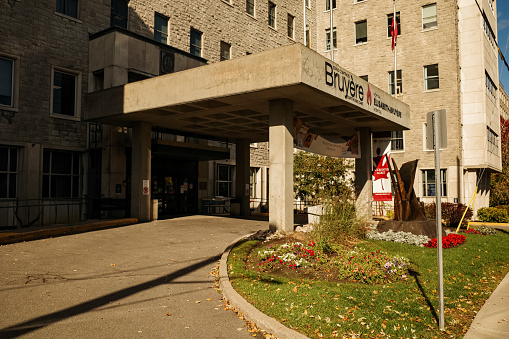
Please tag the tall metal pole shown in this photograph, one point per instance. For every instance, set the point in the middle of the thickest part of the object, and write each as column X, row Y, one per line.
column 331, row 33
column 438, row 190
column 395, row 63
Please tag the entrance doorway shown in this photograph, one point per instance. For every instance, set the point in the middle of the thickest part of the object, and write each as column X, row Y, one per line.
column 174, row 185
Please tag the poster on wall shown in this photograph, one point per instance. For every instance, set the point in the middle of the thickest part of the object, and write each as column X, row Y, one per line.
column 305, row 140
column 382, row 190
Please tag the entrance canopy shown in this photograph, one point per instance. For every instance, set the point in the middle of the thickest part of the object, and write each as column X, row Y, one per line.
column 230, row 99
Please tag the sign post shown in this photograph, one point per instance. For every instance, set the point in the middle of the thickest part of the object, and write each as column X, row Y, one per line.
column 437, row 133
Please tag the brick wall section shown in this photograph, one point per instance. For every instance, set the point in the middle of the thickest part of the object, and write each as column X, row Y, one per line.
column 42, row 39
column 219, row 20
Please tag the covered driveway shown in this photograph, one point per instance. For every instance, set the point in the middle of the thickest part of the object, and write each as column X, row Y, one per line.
column 253, row 99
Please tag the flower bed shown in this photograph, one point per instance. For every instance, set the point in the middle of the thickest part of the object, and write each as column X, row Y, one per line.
column 482, row 230
column 450, row 240
column 357, row 265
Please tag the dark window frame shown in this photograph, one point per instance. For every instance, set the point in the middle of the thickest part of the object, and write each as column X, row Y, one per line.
column 9, row 169
column 57, row 180
column 68, row 7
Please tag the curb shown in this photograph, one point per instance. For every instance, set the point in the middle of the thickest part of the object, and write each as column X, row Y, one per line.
column 66, row 230
column 250, row 312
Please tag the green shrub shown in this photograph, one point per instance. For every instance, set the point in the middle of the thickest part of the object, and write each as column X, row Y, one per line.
column 451, row 213
column 339, row 223
column 492, row 214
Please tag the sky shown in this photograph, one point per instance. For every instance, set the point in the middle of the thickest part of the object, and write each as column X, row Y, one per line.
column 503, row 41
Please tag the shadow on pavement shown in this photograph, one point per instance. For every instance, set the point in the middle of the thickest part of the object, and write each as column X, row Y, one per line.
column 42, row 321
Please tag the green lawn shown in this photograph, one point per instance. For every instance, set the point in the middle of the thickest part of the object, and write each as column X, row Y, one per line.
column 396, row 310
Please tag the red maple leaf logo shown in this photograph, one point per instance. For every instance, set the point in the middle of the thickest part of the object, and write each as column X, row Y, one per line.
column 368, row 96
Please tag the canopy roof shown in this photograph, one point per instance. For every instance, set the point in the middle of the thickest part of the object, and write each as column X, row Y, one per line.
column 230, row 99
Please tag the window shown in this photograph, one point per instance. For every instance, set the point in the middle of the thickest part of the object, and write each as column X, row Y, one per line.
column 61, row 174
column 428, row 183
column 6, row 82
column 489, row 32
column 8, row 172
column 64, row 94
column 225, row 51
column 195, row 48
column 68, row 7
column 389, row 23
column 291, row 23
column 224, row 181
column 492, row 141
column 119, row 13
column 361, row 32
column 272, row 15
column 327, row 38
column 308, row 3
column 253, row 173
column 399, row 83
column 431, row 80
column 364, row 77
column 429, row 16
column 308, row 38
column 250, row 5
column 161, row 28
column 490, row 86
column 397, row 141
column 327, row 4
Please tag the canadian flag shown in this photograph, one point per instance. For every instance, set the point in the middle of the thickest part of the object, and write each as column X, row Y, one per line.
column 394, row 31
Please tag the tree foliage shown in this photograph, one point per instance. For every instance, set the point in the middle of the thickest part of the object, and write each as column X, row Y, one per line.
column 499, row 194
column 316, row 176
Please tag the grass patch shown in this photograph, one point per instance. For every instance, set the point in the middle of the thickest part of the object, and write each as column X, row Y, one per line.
column 399, row 309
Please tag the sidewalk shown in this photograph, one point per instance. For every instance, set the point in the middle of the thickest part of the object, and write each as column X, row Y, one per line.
column 492, row 321
column 42, row 232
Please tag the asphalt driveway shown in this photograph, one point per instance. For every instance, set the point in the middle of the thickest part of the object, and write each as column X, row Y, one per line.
column 148, row 280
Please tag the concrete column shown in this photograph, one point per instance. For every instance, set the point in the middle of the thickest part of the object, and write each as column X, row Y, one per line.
column 281, row 165
column 363, row 179
column 242, row 163
column 141, row 170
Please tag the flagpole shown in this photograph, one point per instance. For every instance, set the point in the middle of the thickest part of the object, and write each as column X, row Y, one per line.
column 331, row 33
column 395, row 61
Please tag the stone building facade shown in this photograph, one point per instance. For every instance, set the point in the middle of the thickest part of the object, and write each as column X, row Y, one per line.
column 53, row 52
column 446, row 58
column 54, row 166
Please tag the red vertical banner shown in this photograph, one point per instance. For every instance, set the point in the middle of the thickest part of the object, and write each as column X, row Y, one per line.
column 382, row 190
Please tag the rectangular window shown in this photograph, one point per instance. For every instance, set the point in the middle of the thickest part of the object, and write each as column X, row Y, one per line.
column 428, row 183
column 250, row 7
column 491, row 88
column 389, row 23
column 6, row 82
column 399, row 83
column 161, row 28
column 224, row 181
column 119, row 13
column 327, row 4
column 195, row 45
column 272, row 15
column 8, row 172
column 64, row 93
column 489, row 31
column 492, row 141
column 291, row 24
column 327, row 39
column 225, row 51
column 61, row 174
column 361, row 32
column 397, row 141
column 429, row 16
column 308, row 38
column 431, row 80
column 253, row 173
column 68, row 7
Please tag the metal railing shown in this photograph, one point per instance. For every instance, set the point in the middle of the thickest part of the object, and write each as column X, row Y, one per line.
column 21, row 213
